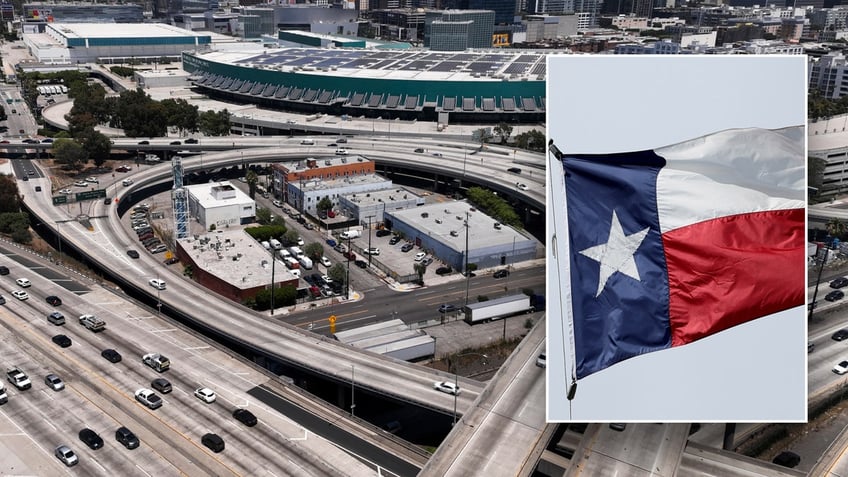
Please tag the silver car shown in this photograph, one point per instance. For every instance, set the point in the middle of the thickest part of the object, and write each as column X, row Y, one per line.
column 66, row 455
column 55, row 382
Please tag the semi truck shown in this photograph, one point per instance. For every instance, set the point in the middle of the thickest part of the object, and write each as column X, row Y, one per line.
column 498, row 308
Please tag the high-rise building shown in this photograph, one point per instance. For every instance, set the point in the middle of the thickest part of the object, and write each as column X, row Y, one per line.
column 505, row 10
column 443, row 29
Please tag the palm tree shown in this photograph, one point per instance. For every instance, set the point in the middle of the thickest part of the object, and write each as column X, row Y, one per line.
column 252, row 179
column 835, row 228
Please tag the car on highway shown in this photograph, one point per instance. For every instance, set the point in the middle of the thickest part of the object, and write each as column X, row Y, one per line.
column 148, row 398
column 447, row 308
column 191, row 140
column 157, row 283
column 127, row 438
column 162, row 385
column 245, row 417
column 62, row 340
column 56, row 318
column 841, row 367
column 127, row 182
column 213, row 441
column 205, row 394
column 23, row 282
column 447, row 387
column 143, row 143
column 371, row 251
column 502, row 273
column 175, row 143
column 418, row 256
column 840, row 335
column 835, row 295
column 341, row 151
column 54, row 382
column 111, row 355
column 521, row 186
column 4, row 270
column 91, row 439
column 514, row 170
column 92, row 180
column 132, row 253
column 66, row 455
column 53, row 300
column 66, row 191
column 81, row 184
column 839, row 282
column 20, row 295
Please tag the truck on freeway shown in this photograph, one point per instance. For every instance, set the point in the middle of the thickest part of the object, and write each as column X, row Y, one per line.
column 157, row 361
column 18, row 378
column 92, row 322
column 498, row 308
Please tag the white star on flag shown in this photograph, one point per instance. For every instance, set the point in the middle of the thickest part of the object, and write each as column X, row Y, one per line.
column 617, row 254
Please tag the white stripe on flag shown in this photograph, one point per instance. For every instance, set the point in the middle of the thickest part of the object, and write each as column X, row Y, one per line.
column 731, row 172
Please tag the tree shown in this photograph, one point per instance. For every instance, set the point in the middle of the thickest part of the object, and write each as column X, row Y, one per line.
column 252, row 179
column 263, row 215
column 338, row 273
column 291, row 237
column 481, row 135
column 815, row 171
column 420, row 270
column 324, row 204
column 140, row 116
column 181, row 114
column 835, row 227
column 70, row 153
column 503, row 130
column 97, row 145
column 212, row 123
column 10, row 199
column 533, row 140
column 314, row 250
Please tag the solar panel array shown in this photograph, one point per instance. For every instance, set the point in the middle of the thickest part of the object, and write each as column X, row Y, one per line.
column 510, row 65
column 327, row 59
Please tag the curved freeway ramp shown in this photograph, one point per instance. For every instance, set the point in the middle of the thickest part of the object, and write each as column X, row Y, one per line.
column 504, row 431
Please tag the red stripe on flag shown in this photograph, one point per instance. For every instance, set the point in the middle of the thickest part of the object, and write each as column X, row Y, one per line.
column 731, row 270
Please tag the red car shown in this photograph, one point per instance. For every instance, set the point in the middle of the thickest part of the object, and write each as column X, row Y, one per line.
column 123, row 169
column 315, row 291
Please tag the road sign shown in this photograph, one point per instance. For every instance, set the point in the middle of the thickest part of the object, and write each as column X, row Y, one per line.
column 60, row 199
column 91, row 194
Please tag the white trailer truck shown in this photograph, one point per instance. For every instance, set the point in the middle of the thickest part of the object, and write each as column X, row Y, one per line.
column 498, row 308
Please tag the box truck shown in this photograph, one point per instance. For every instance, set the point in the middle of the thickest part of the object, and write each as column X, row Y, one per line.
column 498, row 308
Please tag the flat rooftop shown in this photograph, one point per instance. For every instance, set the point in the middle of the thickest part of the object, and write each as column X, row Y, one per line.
column 234, row 257
column 122, row 30
column 445, row 217
column 486, row 65
column 342, row 182
column 204, row 194
column 385, row 196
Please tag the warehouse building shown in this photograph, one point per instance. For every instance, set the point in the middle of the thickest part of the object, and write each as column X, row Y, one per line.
column 219, row 204
column 440, row 229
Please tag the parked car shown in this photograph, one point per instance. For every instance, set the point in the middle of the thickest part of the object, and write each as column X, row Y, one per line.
column 383, row 232
column 839, row 282
column 361, row 263
column 326, row 261
column 407, row 247
column 419, row 256
column 502, row 273
column 447, row 308
column 372, row 251
column 427, row 261
column 394, row 240
column 443, row 270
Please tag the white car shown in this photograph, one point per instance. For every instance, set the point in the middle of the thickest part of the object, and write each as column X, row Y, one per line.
column 326, row 278
column 277, row 203
column 371, row 251
column 20, row 295
column 341, row 152
column 23, row 282
column 66, row 191
column 66, row 455
column 841, row 367
column 157, row 283
column 420, row 256
column 81, row 184
column 93, row 180
column 205, row 394
column 521, row 186
column 55, row 382
column 127, row 182
column 300, row 242
column 447, row 387
column 295, row 272
column 326, row 262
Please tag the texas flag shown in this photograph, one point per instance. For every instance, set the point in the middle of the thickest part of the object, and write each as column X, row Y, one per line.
column 669, row 246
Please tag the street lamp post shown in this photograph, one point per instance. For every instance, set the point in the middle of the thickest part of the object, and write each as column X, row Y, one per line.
column 352, row 387
column 467, row 275
column 456, row 377
column 347, row 275
column 273, row 268
column 369, row 239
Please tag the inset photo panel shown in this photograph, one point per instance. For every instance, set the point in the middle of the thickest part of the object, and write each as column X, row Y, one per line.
column 676, row 225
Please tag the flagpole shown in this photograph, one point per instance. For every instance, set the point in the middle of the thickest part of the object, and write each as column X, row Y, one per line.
column 559, row 250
